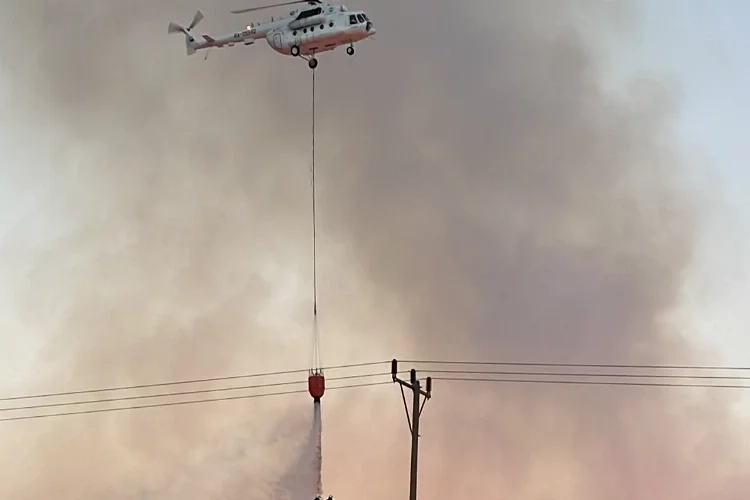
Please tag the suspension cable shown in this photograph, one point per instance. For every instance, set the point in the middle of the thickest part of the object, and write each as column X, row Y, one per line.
column 316, row 337
column 315, row 277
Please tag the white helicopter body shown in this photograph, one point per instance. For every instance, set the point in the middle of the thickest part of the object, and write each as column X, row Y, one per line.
column 319, row 27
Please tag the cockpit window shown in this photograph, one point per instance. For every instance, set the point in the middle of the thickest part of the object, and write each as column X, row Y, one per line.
column 365, row 16
column 352, row 19
column 360, row 18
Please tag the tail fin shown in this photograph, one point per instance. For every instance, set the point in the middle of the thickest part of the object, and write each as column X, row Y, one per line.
column 190, row 46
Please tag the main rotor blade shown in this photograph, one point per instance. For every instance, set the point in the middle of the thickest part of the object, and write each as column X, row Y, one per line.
column 196, row 19
column 251, row 9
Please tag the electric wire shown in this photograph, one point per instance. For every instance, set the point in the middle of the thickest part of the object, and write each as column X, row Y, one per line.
column 593, row 375
column 178, row 403
column 468, row 376
column 179, row 393
column 591, row 382
column 186, row 381
column 581, row 365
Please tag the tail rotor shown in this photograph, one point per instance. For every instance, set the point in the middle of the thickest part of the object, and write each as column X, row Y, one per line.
column 189, row 39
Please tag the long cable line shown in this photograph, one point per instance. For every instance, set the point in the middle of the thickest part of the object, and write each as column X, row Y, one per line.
column 178, row 393
column 178, row 403
column 436, row 371
column 579, row 365
column 186, row 381
column 593, row 375
column 368, row 384
column 470, row 376
column 314, row 229
column 473, row 378
column 315, row 365
column 590, row 382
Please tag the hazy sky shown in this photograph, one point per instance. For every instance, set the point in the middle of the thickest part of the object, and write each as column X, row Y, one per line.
column 701, row 44
column 558, row 181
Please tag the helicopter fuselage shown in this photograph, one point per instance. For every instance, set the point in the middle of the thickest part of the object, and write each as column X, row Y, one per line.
column 320, row 33
column 304, row 32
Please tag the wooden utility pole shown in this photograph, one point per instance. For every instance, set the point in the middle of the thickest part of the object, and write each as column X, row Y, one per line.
column 416, row 410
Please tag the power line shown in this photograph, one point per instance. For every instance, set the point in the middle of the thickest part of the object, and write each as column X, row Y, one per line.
column 189, row 381
column 458, row 372
column 594, row 375
column 177, row 403
column 180, row 393
column 591, row 382
column 580, row 365
column 428, row 362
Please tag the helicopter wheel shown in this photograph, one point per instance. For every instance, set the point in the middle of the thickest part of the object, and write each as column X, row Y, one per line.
column 350, row 50
column 295, row 50
column 313, row 63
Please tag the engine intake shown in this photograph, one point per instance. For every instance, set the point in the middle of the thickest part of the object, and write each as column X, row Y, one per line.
column 306, row 22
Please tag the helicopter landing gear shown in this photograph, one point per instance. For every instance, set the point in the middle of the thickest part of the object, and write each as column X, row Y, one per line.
column 295, row 50
column 350, row 50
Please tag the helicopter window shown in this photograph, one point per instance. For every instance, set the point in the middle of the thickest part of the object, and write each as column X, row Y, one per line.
column 360, row 18
column 352, row 19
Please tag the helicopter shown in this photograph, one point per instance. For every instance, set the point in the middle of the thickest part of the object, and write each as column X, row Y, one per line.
column 305, row 32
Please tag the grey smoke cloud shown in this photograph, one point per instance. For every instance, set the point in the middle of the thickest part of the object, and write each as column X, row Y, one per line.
column 481, row 196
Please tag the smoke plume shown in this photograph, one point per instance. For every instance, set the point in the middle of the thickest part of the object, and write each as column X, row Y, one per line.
column 483, row 193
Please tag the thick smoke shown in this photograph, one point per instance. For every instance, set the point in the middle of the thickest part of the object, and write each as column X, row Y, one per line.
column 481, row 195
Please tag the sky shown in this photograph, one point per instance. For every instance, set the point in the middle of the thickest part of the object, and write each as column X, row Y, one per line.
column 701, row 45
column 561, row 182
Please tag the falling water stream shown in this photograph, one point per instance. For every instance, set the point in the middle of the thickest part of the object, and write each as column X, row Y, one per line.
column 316, row 436
column 303, row 481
